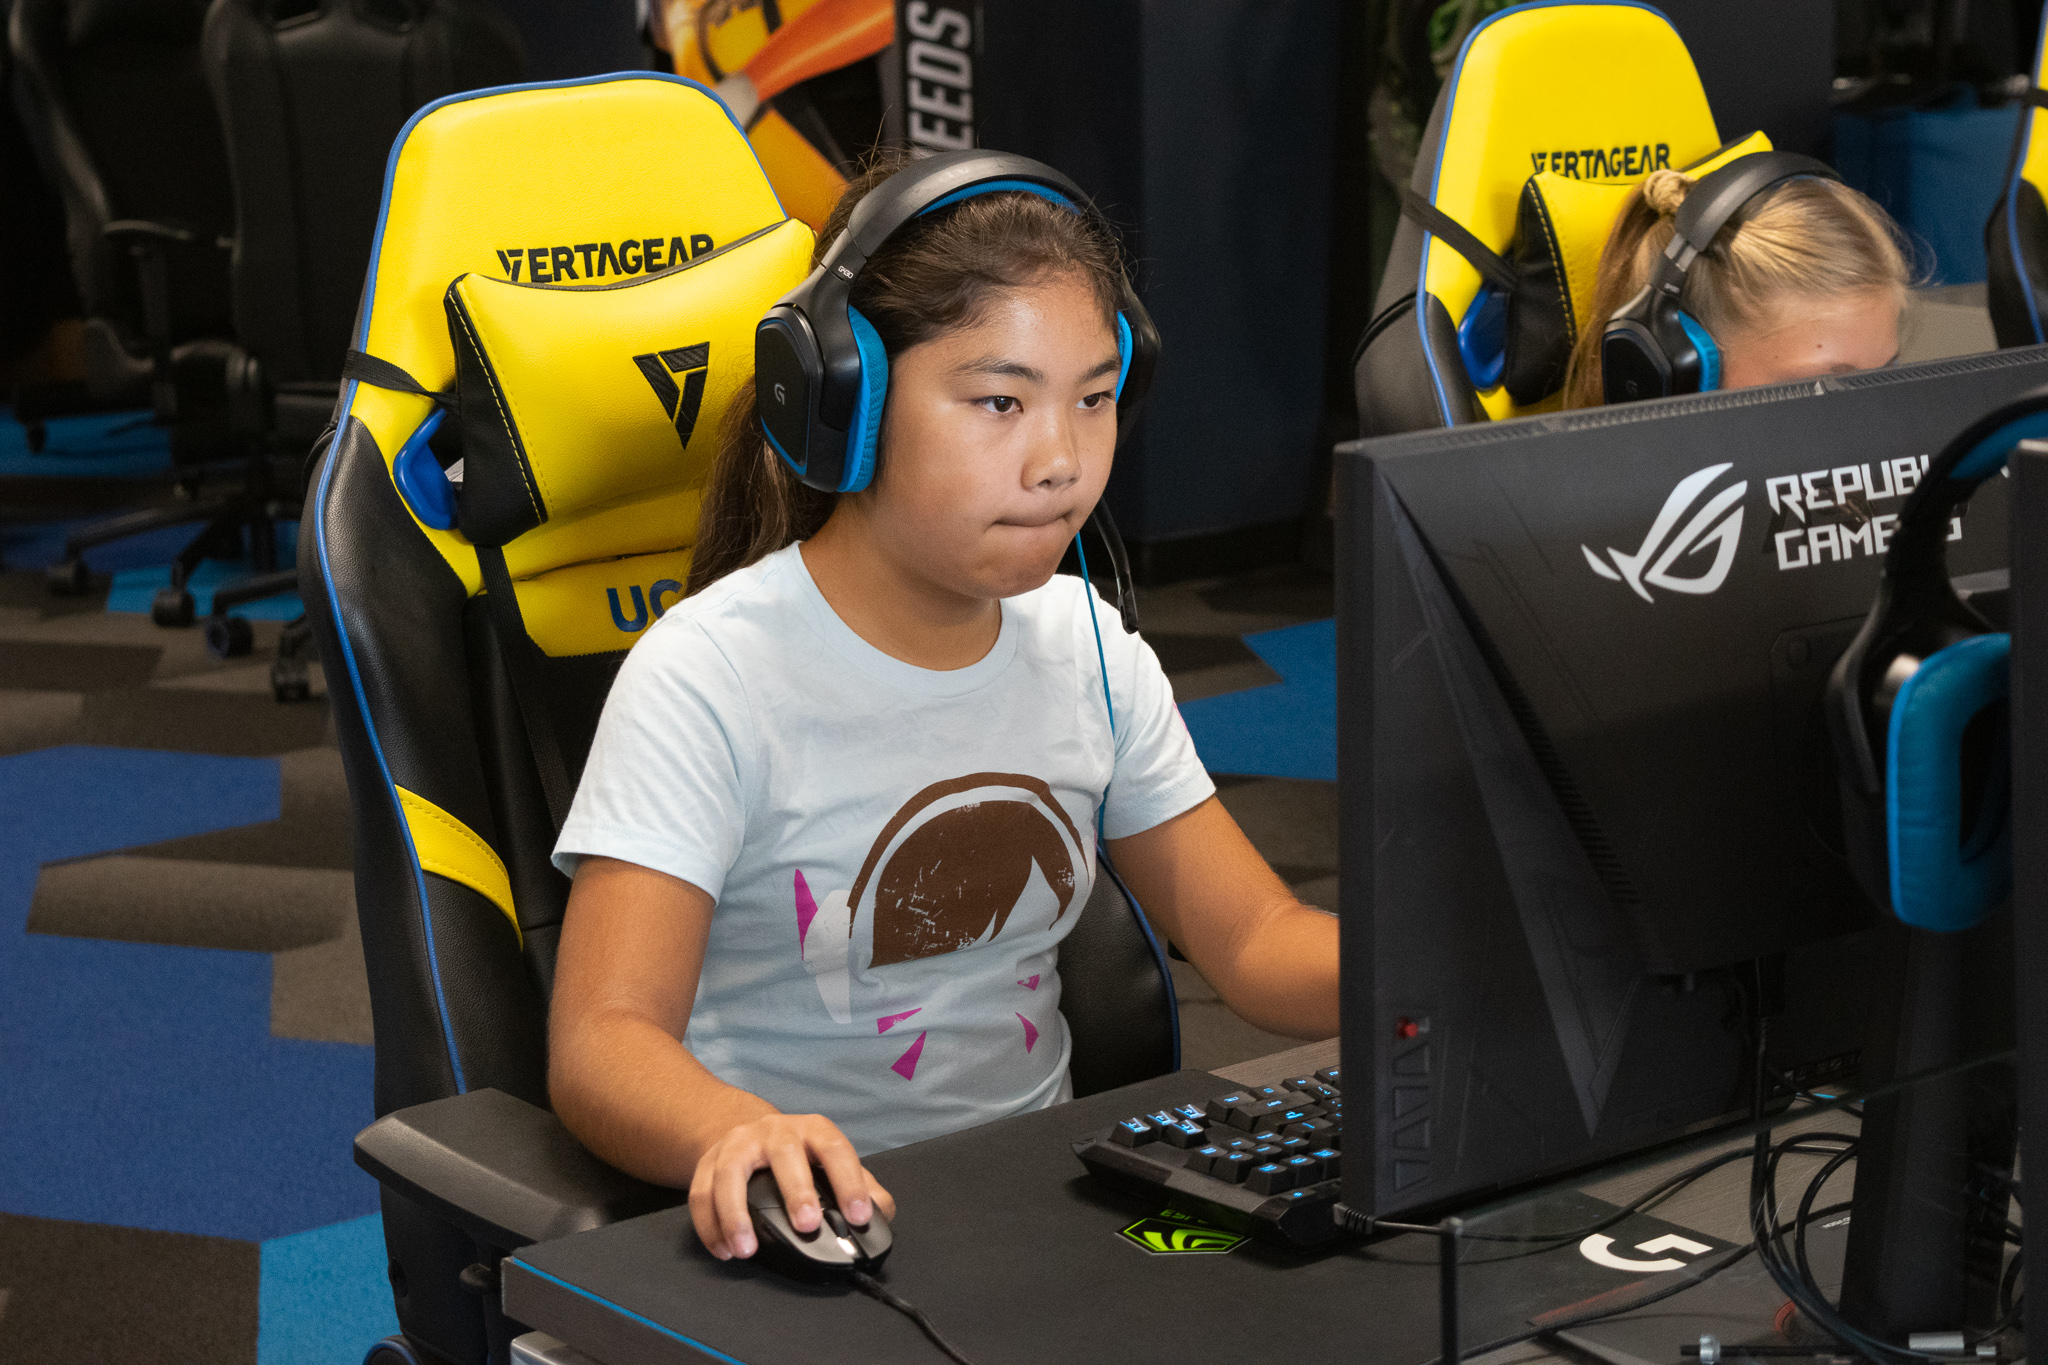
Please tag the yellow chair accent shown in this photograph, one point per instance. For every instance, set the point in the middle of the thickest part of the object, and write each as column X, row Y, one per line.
column 2016, row 234
column 448, row 848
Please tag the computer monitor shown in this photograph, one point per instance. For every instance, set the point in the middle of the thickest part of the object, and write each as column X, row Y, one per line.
column 1583, row 773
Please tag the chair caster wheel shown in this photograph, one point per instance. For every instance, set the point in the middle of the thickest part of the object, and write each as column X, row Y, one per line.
column 69, row 578
column 288, row 682
column 228, row 637
column 392, row 1351
column 38, row 435
column 172, row 607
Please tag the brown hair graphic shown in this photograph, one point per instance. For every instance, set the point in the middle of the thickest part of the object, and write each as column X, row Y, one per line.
column 960, row 873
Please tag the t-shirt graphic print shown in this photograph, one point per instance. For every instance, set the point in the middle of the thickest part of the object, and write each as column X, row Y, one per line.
column 959, row 862
column 895, row 854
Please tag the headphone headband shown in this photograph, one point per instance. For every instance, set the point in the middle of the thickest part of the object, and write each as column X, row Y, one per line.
column 1718, row 196
column 930, row 184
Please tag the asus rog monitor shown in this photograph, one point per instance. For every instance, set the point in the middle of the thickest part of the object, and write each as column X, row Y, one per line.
column 1589, row 811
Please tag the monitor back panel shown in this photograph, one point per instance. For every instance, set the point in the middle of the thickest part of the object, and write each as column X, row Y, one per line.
column 1585, row 779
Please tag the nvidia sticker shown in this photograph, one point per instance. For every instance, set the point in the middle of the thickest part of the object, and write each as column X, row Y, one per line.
column 1173, row 1233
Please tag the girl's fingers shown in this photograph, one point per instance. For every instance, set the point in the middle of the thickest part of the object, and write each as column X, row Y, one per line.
column 850, row 1185
column 729, row 1202
column 792, row 1167
column 885, row 1200
column 705, row 1218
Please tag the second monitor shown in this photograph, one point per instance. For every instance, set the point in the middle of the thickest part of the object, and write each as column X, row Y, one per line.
column 1590, row 825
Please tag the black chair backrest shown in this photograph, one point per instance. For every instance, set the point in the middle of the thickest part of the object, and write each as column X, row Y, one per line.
column 310, row 97
column 113, row 95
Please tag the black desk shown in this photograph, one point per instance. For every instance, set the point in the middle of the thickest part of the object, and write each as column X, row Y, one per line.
column 1015, row 1253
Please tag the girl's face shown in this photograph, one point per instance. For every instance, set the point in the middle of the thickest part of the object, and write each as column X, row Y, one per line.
column 1810, row 338
column 997, row 439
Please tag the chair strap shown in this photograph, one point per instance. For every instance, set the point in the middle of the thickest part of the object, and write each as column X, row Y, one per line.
column 381, row 373
column 523, row 664
column 1454, row 235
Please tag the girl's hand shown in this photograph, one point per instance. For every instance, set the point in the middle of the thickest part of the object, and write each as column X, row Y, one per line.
column 788, row 1144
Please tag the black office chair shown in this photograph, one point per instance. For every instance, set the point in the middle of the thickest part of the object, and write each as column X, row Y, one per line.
column 464, row 714
column 1491, row 271
column 2016, row 235
column 310, row 98
column 113, row 98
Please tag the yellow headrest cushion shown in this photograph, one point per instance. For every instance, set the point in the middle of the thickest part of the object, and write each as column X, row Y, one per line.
column 1566, row 89
column 581, row 402
column 510, row 179
column 1579, row 215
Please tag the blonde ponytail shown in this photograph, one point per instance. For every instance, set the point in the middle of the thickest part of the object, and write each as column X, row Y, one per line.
column 1803, row 239
column 1665, row 190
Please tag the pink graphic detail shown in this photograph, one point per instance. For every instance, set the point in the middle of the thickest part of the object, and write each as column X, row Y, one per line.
column 1030, row 983
column 906, row 1065
column 1030, row 1033
column 806, row 909
column 889, row 1021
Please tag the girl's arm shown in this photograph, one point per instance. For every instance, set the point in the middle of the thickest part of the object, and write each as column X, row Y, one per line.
column 1203, row 885
column 620, row 1078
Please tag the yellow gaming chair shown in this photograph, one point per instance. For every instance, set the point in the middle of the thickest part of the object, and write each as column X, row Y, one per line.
column 560, row 308
column 2016, row 236
column 1552, row 113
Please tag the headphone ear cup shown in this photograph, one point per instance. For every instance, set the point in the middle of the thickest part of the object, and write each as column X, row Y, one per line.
column 1944, row 877
column 866, row 428
column 1703, row 345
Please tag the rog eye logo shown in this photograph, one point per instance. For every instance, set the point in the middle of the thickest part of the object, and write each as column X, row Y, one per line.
column 1713, row 525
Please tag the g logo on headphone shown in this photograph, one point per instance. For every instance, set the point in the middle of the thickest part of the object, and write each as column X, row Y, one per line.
column 831, row 360
column 1653, row 348
column 1917, row 707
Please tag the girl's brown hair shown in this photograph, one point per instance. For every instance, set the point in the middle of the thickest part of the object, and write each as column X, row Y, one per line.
column 935, row 274
column 1804, row 238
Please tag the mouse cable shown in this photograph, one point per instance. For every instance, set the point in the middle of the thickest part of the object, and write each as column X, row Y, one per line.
column 873, row 1288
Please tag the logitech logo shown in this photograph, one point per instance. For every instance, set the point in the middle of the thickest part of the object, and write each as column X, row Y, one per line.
column 1599, row 1249
column 781, row 398
column 681, row 403
column 1717, row 525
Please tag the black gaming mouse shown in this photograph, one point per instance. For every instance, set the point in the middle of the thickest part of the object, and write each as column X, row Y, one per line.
column 835, row 1250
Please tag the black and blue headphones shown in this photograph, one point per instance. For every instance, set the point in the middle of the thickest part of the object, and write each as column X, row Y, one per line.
column 820, row 370
column 1917, row 707
column 1653, row 348
column 821, row 374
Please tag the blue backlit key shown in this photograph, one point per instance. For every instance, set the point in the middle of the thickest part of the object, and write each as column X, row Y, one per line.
column 1133, row 1132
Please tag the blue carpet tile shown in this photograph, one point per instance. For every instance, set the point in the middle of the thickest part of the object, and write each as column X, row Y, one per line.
column 1287, row 729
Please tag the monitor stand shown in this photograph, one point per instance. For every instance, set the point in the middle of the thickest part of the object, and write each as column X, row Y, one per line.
column 1925, row 1246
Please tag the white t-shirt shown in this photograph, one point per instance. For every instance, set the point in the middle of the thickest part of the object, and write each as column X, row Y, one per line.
column 895, row 853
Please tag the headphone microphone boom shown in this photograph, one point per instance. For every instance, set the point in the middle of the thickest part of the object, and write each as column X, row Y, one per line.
column 1652, row 347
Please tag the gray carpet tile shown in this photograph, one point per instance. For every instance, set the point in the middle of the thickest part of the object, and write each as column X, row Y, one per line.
column 1293, row 823
column 83, row 1294
column 304, row 916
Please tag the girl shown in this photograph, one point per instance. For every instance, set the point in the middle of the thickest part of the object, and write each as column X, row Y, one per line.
column 1808, row 280
column 841, row 809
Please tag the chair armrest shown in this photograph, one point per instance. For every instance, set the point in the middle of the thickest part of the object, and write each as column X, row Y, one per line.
column 504, row 1171
column 136, row 231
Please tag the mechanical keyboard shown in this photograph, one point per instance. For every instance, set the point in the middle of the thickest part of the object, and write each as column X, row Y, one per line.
column 1258, row 1159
